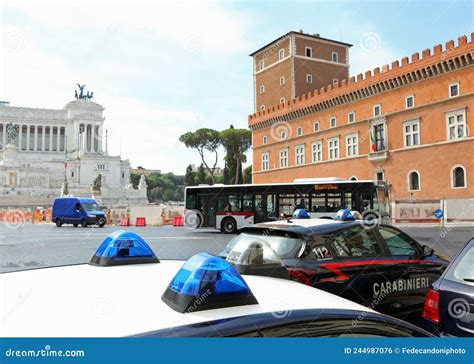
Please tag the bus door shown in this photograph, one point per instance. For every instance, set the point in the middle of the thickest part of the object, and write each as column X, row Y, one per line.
column 207, row 205
column 265, row 208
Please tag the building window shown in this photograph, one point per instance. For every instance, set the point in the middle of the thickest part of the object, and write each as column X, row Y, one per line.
column 265, row 161
column 262, row 107
column 308, row 52
column 414, row 181
column 332, row 122
column 316, row 126
column 317, row 151
column 283, row 158
column 352, row 145
column 377, row 110
column 261, row 64
column 282, row 80
column 377, row 138
column 265, row 139
column 262, row 89
column 281, row 54
column 309, row 78
column 458, row 179
column 353, row 178
column 379, row 176
column 411, row 131
column 123, row 175
column 456, row 124
column 335, row 57
column 409, row 102
column 72, row 174
column 351, row 117
column 335, row 81
column 333, row 147
column 283, row 135
column 299, row 153
column 454, row 89
column 299, row 131
column 282, row 100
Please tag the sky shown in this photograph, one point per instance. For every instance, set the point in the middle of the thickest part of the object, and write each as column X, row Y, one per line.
column 162, row 68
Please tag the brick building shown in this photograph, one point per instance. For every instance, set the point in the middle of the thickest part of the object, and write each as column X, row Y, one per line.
column 409, row 123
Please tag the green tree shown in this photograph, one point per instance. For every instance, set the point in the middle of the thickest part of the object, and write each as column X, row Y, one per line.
column 236, row 143
column 202, row 140
column 97, row 184
column 248, row 174
column 190, row 177
column 201, row 176
column 135, row 179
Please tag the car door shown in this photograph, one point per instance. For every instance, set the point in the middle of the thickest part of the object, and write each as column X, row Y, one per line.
column 408, row 278
column 456, row 295
column 353, row 269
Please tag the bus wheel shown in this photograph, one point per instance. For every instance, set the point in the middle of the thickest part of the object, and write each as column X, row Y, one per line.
column 58, row 222
column 229, row 226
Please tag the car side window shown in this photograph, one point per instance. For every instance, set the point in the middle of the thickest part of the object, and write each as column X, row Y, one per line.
column 398, row 242
column 338, row 328
column 317, row 250
column 355, row 242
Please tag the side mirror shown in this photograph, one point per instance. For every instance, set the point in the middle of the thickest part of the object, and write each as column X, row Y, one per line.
column 427, row 251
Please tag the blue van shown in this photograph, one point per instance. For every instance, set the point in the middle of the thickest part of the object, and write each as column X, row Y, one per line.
column 77, row 210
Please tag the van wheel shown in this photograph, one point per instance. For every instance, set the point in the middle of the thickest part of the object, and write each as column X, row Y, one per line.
column 101, row 222
column 83, row 223
column 229, row 226
column 58, row 222
column 75, row 225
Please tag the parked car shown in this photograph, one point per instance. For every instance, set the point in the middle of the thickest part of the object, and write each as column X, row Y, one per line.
column 378, row 266
column 77, row 210
column 449, row 304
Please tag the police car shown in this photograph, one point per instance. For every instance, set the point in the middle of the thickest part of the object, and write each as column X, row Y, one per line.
column 378, row 266
column 126, row 290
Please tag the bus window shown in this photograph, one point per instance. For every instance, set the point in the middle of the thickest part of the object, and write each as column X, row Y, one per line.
column 334, row 201
column 265, row 208
column 191, row 201
column 286, row 204
column 349, row 201
column 364, row 201
column 228, row 203
column 318, row 202
column 247, row 203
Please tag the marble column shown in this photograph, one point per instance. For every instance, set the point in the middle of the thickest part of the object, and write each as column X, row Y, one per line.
column 43, row 138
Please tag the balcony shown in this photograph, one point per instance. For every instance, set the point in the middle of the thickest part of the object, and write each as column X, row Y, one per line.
column 378, row 155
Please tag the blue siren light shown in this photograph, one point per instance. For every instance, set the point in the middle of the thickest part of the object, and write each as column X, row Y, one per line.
column 123, row 247
column 344, row 215
column 301, row 214
column 207, row 282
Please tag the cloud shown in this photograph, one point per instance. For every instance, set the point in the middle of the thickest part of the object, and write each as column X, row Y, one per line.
column 147, row 63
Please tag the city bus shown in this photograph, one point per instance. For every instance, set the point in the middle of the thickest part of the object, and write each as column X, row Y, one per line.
column 230, row 207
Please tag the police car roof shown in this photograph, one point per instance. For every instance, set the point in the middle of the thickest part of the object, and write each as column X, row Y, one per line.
column 305, row 226
column 84, row 300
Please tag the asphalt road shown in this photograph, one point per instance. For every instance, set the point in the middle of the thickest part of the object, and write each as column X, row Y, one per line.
column 35, row 246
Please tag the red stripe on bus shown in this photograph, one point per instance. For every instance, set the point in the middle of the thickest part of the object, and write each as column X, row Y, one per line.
column 246, row 214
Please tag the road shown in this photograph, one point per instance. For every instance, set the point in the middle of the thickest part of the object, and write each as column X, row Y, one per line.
column 35, row 246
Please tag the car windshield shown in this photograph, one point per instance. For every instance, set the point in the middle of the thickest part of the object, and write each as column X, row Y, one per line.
column 285, row 246
column 462, row 270
column 91, row 206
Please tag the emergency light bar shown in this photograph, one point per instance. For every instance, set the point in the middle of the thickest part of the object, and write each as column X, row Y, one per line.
column 123, row 247
column 207, row 282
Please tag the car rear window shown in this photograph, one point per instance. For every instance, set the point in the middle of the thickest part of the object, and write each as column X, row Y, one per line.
column 286, row 246
column 462, row 270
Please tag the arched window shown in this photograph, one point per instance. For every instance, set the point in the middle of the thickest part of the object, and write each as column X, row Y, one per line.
column 458, row 176
column 413, row 181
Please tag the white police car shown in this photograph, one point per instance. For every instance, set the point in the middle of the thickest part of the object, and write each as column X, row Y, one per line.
column 126, row 291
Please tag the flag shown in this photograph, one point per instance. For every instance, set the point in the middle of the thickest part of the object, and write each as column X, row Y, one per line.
column 372, row 140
